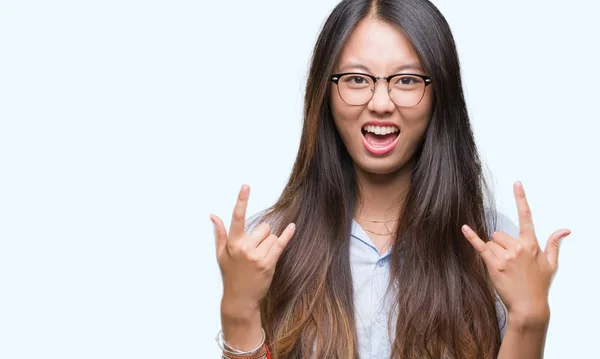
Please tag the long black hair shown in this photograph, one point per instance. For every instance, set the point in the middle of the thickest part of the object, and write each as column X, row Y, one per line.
column 445, row 302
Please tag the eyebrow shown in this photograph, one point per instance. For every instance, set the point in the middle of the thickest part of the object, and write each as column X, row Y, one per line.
column 411, row 66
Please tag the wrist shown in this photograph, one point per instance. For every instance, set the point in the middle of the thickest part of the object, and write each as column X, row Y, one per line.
column 239, row 311
column 241, row 324
column 533, row 319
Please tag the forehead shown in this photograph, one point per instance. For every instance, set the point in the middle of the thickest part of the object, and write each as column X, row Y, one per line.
column 377, row 46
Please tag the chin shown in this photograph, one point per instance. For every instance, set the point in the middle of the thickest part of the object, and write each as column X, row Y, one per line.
column 380, row 166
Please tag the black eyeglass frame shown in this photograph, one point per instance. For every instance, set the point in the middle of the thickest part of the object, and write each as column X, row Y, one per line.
column 336, row 78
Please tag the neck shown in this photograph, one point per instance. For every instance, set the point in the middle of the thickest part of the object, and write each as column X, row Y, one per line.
column 382, row 195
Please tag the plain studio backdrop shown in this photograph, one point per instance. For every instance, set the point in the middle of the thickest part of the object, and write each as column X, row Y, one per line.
column 125, row 123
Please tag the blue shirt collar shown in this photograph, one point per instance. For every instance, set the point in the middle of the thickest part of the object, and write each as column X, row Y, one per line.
column 358, row 233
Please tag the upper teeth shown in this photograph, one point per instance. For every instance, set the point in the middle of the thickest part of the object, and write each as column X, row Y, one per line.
column 378, row 130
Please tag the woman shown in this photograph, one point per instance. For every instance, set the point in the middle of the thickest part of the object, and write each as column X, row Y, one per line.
column 381, row 244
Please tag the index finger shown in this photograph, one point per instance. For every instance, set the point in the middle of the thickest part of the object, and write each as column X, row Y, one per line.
column 525, row 218
column 238, row 220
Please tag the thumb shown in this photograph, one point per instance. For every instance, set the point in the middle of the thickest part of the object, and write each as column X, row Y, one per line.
column 553, row 245
column 220, row 233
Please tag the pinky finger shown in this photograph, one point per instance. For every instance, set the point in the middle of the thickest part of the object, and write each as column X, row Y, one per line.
column 484, row 250
column 280, row 243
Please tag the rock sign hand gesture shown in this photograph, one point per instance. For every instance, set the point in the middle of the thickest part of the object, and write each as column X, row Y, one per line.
column 519, row 270
column 247, row 260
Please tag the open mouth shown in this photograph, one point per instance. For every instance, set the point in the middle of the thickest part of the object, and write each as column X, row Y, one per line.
column 380, row 137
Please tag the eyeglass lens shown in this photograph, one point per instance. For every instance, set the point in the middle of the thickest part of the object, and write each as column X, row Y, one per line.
column 404, row 90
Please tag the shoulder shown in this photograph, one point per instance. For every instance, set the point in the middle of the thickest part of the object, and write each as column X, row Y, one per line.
column 257, row 218
column 498, row 221
column 254, row 220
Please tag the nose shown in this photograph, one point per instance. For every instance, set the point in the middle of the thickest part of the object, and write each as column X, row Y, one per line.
column 381, row 101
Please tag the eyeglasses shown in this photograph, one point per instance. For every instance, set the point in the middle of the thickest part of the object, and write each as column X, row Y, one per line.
column 357, row 89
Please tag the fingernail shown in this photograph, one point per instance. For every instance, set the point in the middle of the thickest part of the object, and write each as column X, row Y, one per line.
column 465, row 229
column 244, row 187
column 519, row 185
column 212, row 219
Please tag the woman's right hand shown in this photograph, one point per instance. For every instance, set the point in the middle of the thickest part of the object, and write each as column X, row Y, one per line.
column 247, row 260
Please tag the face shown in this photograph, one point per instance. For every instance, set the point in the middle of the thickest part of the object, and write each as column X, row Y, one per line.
column 379, row 49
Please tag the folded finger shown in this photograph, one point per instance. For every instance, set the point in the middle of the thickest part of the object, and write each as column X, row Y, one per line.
column 266, row 244
column 259, row 234
column 497, row 250
column 504, row 240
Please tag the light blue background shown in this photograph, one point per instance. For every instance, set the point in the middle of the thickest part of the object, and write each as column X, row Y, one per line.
column 123, row 124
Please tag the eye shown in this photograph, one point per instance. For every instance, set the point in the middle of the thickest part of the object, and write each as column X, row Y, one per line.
column 407, row 81
column 356, row 81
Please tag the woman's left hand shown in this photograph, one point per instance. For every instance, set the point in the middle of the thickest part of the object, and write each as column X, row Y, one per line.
column 519, row 270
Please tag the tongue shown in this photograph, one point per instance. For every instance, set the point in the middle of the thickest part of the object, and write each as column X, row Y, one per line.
column 380, row 140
